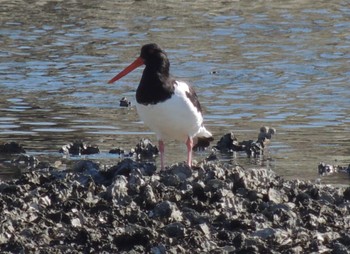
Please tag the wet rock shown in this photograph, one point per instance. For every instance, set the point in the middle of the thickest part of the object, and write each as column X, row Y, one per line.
column 347, row 194
column 265, row 135
column 133, row 236
column 160, row 249
column 26, row 160
column 251, row 148
column 118, row 150
column 123, row 153
column 339, row 248
column 124, row 102
column 79, row 148
column 150, row 199
column 276, row 196
column 201, row 143
column 89, row 170
column 11, row 148
column 229, row 143
column 205, row 229
column 181, row 170
column 46, row 166
column 265, row 233
column 145, row 149
column 127, row 165
column 212, row 157
column 328, row 169
column 167, row 210
column 175, row 229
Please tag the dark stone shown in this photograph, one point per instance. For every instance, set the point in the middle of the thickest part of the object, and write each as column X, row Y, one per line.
column 303, row 198
column 79, row 148
column 347, row 193
column 175, row 229
column 10, row 148
column 145, row 149
column 201, row 143
column 119, row 151
column 124, row 102
column 227, row 143
column 134, row 236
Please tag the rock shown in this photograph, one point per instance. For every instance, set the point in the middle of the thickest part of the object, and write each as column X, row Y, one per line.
column 339, row 248
column 276, row 196
column 88, row 169
column 79, row 148
column 205, row 229
column 160, row 249
column 181, row 170
column 211, row 157
column 119, row 151
column 127, row 165
column 133, row 236
column 326, row 169
column 201, row 143
column 28, row 161
column 10, row 148
column 145, row 149
column 227, row 143
column 124, row 102
column 175, row 229
column 265, row 135
column 265, row 233
column 118, row 190
column 122, row 153
column 215, row 208
column 167, row 210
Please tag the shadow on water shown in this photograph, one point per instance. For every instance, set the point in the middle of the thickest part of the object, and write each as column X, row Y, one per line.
column 277, row 63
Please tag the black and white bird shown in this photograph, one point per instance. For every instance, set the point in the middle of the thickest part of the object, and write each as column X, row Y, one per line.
column 167, row 106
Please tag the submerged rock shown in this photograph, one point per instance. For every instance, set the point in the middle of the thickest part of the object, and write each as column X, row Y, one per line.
column 28, row 160
column 124, row 102
column 265, row 135
column 328, row 169
column 229, row 143
column 79, row 148
column 201, row 143
column 10, row 148
column 145, row 149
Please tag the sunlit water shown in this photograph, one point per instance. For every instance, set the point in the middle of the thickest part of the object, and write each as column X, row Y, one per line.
column 284, row 64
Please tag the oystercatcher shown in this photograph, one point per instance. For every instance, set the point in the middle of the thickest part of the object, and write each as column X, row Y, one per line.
column 167, row 106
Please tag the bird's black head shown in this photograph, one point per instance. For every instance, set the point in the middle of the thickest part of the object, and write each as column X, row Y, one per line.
column 156, row 61
column 154, row 57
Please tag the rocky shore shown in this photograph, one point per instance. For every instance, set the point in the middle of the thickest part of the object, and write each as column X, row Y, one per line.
column 133, row 208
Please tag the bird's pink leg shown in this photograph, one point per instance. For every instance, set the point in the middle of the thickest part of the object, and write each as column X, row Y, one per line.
column 189, row 144
column 161, row 150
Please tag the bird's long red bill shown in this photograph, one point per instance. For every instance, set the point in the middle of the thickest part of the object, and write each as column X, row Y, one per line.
column 138, row 62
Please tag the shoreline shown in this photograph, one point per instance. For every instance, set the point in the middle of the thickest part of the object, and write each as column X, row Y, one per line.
column 132, row 208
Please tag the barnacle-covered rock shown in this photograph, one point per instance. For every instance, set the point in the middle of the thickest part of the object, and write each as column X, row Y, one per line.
column 79, row 148
column 131, row 208
column 11, row 148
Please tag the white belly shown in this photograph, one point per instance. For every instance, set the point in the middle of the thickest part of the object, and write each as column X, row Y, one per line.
column 175, row 118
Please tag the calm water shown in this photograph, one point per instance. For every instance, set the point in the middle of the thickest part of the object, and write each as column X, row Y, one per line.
column 284, row 64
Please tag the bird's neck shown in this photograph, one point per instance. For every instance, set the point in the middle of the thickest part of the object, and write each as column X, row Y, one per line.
column 154, row 87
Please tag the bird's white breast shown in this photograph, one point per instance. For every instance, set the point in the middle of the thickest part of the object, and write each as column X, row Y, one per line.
column 175, row 118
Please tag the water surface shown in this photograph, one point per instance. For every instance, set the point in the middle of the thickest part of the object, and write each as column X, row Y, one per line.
column 283, row 64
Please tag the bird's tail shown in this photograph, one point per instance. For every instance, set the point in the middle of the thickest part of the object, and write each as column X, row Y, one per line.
column 202, row 139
